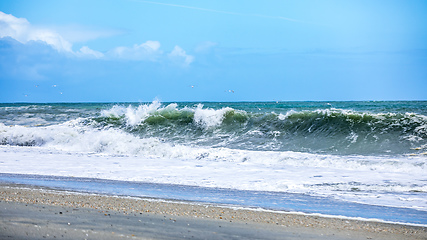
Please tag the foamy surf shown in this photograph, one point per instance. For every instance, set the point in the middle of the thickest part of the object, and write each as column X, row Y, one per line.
column 351, row 152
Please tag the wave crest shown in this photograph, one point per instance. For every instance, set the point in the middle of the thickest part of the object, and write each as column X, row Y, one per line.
column 155, row 113
column 336, row 131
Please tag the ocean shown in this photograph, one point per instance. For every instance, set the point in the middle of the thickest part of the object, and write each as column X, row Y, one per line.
column 369, row 157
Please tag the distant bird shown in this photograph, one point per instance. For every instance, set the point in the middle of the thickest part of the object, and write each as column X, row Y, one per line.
column 53, row 85
column 36, row 85
column 232, row 91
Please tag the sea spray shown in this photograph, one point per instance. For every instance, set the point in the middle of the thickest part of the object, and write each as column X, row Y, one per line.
column 370, row 152
column 335, row 131
column 331, row 130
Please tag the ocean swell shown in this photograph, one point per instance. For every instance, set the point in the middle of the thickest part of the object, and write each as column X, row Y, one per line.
column 323, row 130
column 326, row 131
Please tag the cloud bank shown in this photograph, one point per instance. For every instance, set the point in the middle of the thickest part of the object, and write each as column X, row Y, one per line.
column 22, row 31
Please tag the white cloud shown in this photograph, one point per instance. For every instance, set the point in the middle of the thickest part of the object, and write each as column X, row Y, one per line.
column 150, row 50
column 178, row 55
column 21, row 30
column 12, row 26
column 85, row 51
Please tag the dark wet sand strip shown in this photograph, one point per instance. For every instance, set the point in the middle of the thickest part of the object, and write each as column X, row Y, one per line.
column 35, row 213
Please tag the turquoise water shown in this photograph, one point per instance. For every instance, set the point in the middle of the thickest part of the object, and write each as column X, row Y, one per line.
column 368, row 128
column 356, row 154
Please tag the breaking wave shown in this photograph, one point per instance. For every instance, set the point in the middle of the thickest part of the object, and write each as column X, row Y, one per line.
column 324, row 130
column 330, row 131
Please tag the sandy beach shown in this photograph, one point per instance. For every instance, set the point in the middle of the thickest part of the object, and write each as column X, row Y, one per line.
column 37, row 213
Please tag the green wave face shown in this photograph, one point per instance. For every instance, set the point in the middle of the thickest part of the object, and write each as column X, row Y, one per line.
column 320, row 130
column 316, row 127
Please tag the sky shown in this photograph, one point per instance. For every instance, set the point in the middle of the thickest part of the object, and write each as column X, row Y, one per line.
column 188, row 50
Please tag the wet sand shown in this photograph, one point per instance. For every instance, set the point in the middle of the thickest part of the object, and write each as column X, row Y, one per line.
column 37, row 213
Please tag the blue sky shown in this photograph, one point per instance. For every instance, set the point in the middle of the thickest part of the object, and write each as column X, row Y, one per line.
column 137, row 51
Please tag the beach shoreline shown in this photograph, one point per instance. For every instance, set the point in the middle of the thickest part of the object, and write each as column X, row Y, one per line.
column 23, row 201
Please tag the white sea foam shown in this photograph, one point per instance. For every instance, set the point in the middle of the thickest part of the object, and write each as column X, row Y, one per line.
column 134, row 115
column 209, row 117
column 203, row 117
column 83, row 151
column 75, row 137
column 84, row 148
